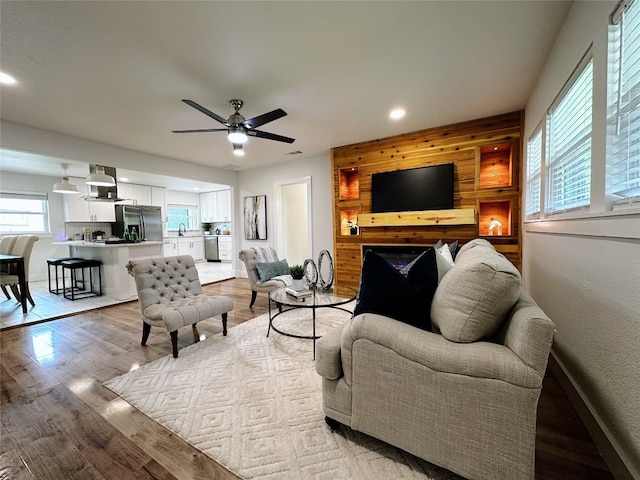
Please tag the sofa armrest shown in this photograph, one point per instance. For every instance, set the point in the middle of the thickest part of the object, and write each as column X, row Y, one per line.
column 478, row 359
column 328, row 363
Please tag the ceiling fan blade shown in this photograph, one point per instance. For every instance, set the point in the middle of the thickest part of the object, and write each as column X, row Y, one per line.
column 255, row 122
column 207, row 112
column 201, row 130
column 270, row 136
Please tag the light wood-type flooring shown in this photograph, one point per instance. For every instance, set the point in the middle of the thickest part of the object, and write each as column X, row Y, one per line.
column 59, row 422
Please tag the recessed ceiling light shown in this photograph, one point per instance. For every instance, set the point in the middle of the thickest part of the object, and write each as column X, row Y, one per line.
column 124, row 179
column 397, row 113
column 7, row 79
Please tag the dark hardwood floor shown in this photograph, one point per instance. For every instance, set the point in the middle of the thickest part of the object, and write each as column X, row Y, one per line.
column 59, row 422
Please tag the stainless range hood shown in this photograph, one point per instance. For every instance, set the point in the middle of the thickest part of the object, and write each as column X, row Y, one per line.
column 103, row 194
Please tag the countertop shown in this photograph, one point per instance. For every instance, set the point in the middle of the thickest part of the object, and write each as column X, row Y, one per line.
column 81, row 243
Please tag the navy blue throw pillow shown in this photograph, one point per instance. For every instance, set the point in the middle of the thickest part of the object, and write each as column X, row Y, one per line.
column 386, row 291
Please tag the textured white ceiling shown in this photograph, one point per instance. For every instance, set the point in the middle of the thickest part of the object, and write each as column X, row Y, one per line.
column 114, row 72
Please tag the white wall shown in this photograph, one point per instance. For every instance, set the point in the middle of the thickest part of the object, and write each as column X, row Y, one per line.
column 60, row 146
column 261, row 182
column 585, row 273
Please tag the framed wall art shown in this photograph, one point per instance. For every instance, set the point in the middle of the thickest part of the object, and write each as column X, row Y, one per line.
column 255, row 217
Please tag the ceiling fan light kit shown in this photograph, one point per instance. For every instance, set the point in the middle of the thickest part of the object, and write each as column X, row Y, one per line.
column 238, row 129
column 65, row 186
column 237, row 135
column 100, row 178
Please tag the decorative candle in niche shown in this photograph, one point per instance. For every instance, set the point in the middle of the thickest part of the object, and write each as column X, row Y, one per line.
column 495, row 227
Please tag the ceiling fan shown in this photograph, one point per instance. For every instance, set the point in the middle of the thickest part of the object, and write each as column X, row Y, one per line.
column 237, row 128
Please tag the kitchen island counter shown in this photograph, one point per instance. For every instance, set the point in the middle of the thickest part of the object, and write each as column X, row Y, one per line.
column 82, row 243
column 116, row 281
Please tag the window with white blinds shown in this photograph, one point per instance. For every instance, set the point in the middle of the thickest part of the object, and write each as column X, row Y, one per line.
column 623, row 123
column 568, row 157
column 534, row 178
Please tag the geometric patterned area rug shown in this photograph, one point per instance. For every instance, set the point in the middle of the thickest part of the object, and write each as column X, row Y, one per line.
column 254, row 404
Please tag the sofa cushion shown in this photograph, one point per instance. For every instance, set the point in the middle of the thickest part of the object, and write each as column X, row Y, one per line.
column 268, row 270
column 475, row 297
column 386, row 291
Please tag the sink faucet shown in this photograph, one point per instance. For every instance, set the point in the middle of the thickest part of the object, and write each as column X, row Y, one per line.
column 181, row 229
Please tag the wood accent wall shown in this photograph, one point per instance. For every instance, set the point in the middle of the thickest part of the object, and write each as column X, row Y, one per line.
column 486, row 153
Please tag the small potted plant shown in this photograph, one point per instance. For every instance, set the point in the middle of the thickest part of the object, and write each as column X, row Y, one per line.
column 206, row 227
column 297, row 273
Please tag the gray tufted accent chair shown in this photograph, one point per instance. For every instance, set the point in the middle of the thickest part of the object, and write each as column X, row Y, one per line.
column 170, row 295
column 250, row 258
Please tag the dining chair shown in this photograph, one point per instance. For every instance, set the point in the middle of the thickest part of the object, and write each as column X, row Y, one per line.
column 22, row 247
column 6, row 246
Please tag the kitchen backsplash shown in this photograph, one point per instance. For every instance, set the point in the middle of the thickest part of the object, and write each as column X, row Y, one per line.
column 72, row 229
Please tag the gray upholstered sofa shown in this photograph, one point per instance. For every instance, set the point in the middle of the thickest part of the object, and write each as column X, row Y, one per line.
column 467, row 405
column 170, row 295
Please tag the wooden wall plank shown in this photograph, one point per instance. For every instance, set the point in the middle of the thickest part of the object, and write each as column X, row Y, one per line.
column 469, row 146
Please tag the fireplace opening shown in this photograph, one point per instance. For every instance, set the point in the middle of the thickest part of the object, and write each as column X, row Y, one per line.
column 397, row 255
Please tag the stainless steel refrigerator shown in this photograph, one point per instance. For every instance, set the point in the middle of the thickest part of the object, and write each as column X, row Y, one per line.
column 147, row 220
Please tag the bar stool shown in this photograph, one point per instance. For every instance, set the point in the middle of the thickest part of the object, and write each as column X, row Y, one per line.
column 75, row 292
column 55, row 263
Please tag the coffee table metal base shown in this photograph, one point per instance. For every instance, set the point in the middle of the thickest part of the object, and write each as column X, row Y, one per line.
column 290, row 306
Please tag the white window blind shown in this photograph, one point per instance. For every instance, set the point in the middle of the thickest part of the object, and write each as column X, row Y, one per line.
column 569, row 145
column 533, row 182
column 623, row 132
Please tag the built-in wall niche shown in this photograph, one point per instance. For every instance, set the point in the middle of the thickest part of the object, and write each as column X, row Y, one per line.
column 494, row 218
column 349, row 183
column 494, row 166
column 349, row 222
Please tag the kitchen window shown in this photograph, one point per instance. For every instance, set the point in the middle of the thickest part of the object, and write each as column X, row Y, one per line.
column 22, row 213
column 182, row 214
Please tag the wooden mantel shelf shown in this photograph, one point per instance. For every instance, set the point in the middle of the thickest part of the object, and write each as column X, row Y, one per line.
column 457, row 216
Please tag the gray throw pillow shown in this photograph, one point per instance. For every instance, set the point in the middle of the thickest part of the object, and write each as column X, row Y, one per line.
column 268, row 270
column 475, row 297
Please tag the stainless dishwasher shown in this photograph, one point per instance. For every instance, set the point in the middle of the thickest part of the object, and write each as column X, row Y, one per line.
column 211, row 248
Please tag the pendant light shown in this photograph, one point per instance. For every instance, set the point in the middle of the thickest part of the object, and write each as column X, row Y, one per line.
column 100, row 178
column 65, row 186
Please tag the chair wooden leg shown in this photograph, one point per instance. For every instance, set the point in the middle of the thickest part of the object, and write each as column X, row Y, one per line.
column 254, row 294
column 16, row 293
column 224, row 324
column 146, row 328
column 6, row 292
column 174, row 343
column 28, row 294
column 196, row 335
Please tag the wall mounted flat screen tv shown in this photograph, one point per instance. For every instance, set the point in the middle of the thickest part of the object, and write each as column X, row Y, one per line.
column 424, row 188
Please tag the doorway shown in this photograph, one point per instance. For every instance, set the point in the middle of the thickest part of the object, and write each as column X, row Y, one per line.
column 293, row 219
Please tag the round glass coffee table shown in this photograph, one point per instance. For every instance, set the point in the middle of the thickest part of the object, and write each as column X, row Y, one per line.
column 317, row 299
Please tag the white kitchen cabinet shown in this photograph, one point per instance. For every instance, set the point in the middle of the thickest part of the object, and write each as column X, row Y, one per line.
column 169, row 247
column 222, row 209
column 79, row 210
column 134, row 194
column 159, row 198
column 206, row 206
column 224, row 248
column 193, row 246
column 142, row 194
column 215, row 206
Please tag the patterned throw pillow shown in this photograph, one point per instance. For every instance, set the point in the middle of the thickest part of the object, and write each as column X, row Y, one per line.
column 386, row 291
column 268, row 270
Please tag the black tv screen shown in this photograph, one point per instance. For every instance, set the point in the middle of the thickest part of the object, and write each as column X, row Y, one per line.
column 425, row 188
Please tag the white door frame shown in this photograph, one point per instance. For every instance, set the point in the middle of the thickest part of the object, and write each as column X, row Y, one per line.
column 277, row 195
